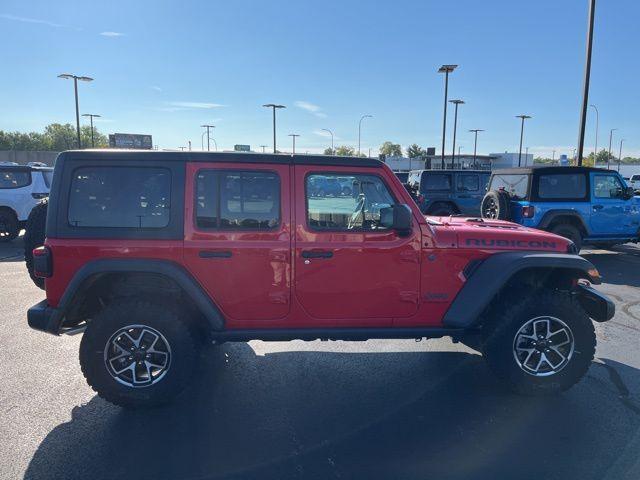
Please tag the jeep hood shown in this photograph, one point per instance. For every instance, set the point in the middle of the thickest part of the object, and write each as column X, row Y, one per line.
column 478, row 233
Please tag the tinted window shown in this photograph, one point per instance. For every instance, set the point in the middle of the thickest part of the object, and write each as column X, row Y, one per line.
column 516, row 185
column 402, row 176
column 436, row 181
column 562, row 185
column 468, row 183
column 14, row 179
column 606, row 186
column 237, row 200
column 123, row 197
column 359, row 210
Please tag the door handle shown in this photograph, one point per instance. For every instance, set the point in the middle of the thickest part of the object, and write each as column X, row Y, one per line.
column 317, row 254
column 598, row 207
column 214, row 254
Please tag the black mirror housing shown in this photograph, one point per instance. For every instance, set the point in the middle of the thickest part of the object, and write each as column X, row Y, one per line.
column 628, row 193
column 397, row 217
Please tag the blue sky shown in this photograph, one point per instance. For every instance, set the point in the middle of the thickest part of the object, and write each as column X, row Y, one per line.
column 165, row 68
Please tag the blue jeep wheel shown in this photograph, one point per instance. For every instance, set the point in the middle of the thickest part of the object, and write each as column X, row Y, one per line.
column 568, row 231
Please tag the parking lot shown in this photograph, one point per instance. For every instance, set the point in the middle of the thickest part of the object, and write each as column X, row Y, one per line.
column 377, row 409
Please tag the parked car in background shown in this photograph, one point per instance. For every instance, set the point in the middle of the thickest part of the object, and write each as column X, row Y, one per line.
column 21, row 188
column 327, row 187
column 634, row 182
column 583, row 204
column 403, row 177
column 448, row 192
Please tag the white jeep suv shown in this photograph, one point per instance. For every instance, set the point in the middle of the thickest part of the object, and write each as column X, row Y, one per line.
column 21, row 188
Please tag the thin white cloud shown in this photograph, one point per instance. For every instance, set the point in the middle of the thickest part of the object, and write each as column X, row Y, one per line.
column 311, row 108
column 16, row 18
column 156, row 88
column 325, row 134
column 112, row 34
column 190, row 105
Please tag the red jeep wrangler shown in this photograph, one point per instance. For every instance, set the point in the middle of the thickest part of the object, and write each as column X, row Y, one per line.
column 153, row 254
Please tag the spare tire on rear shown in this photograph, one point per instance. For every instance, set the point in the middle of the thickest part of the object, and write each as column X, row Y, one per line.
column 34, row 237
column 495, row 205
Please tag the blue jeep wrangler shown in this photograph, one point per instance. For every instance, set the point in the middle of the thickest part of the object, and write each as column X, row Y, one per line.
column 586, row 205
column 448, row 192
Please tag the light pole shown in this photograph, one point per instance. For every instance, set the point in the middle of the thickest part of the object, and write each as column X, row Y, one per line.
column 69, row 76
column 274, row 106
column 293, row 136
column 620, row 154
column 595, row 148
column 91, row 116
column 455, row 127
column 587, row 74
column 446, row 69
column 360, row 129
column 327, row 130
column 610, row 140
column 553, row 156
column 263, row 147
column 523, row 117
column 526, row 155
column 208, row 127
column 475, row 144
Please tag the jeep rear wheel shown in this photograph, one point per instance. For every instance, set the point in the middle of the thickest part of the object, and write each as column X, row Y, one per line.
column 136, row 353
column 8, row 225
column 441, row 210
column 34, row 235
column 541, row 346
column 570, row 232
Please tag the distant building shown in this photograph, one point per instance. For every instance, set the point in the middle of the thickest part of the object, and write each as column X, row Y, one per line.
column 461, row 162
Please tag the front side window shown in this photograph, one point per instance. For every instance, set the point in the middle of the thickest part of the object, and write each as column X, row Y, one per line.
column 436, row 182
column 237, row 200
column 516, row 186
column 357, row 210
column 121, row 197
column 606, row 186
column 14, row 179
column 468, row 183
column 563, row 185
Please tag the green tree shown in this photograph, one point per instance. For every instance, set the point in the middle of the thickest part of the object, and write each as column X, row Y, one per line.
column 415, row 151
column 328, row 151
column 61, row 137
column 345, row 151
column 100, row 140
column 390, row 149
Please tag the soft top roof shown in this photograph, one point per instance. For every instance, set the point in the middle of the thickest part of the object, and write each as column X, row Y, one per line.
column 239, row 157
column 24, row 168
column 543, row 169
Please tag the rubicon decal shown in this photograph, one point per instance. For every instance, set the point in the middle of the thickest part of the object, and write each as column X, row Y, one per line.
column 483, row 242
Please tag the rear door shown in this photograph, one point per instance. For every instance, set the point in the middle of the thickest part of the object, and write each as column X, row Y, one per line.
column 469, row 193
column 237, row 238
column 349, row 270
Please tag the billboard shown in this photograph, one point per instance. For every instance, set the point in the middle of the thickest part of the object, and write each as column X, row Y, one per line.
column 242, row 148
column 130, row 140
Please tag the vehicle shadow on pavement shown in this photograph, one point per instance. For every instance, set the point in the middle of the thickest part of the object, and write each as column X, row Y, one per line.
column 12, row 251
column 619, row 267
column 321, row 414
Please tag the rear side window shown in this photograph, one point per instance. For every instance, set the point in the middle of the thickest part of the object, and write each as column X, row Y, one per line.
column 516, row 185
column 563, row 185
column 14, row 179
column 468, row 183
column 120, row 197
column 237, row 200
column 436, row 181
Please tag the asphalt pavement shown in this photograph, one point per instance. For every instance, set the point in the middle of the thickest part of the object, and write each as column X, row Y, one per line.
column 376, row 409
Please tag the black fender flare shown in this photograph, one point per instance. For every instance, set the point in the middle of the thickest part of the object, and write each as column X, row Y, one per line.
column 552, row 215
column 83, row 278
column 486, row 280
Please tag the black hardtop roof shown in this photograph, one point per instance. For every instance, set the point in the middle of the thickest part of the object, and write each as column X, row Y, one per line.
column 239, row 157
column 454, row 170
column 546, row 169
column 24, row 168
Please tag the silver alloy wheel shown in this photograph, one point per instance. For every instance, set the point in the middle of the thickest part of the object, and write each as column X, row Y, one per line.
column 543, row 346
column 137, row 356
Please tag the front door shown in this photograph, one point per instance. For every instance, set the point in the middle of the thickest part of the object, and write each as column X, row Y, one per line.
column 349, row 268
column 238, row 239
column 469, row 193
column 610, row 213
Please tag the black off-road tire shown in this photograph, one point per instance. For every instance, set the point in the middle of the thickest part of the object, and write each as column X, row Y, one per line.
column 9, row 227
column 570, row 232
column 500, row 333
column 169, row 322
column 441, row 210
column 496, row 205
column 34, row 235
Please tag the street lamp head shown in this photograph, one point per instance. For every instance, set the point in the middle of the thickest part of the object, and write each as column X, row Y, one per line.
column 85, row 79
column 524, row 117
column 475, row 130
column 65, row 75
column 91, row 115
column 366, row 116
column 273, row 105
column 447, row 68
column 294, row 135
column 457, row 102
column 209, row 126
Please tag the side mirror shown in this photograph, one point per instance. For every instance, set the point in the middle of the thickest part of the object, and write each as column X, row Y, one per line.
column 397, row 217
column 628, row 193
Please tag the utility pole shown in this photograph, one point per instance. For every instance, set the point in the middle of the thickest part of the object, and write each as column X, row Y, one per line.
column 91, row 116
column 446, row 69
column 475, row 144
column 455, row 127
column 293, row 136
column 595, row 148
column 360, row 129
column 275, row 107
column 620, row 154
column 587, row 74
column 263, row 147
column 331, row 133
column 610, row 140
column 208, row 127
column 69, row 76
column 523, row 117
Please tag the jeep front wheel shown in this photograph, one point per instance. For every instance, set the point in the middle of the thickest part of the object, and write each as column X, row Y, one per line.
column 8, row 225
column 542, row 345
column 570, row 232
column 136, row 353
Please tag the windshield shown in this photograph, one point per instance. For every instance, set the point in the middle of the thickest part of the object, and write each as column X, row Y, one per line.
column 516, row 185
